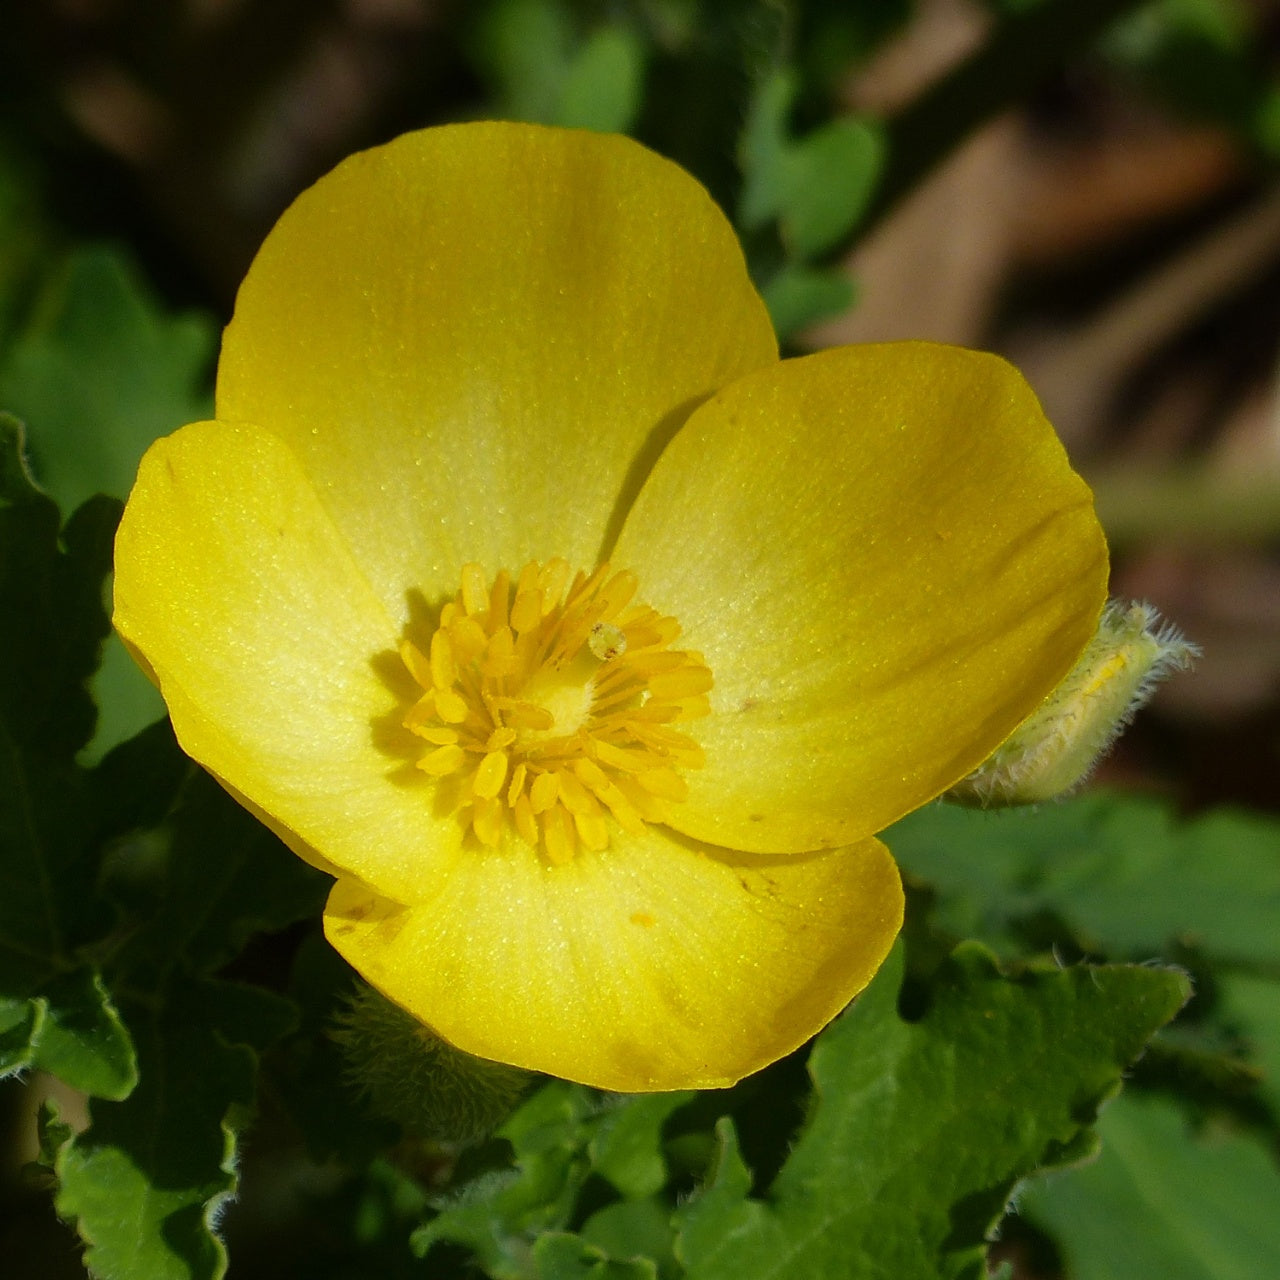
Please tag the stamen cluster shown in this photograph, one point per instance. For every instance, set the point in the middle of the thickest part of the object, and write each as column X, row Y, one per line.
column 550, row 711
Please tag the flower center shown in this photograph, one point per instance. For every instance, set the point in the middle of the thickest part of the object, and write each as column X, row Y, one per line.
column 550, row 710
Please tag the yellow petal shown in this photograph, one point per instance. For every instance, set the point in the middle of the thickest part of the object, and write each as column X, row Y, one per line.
column 277, row 661
column 654, row 964
column 886, row 561
column 467, row 336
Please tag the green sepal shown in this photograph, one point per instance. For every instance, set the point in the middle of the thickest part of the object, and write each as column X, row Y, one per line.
column 1056, row 747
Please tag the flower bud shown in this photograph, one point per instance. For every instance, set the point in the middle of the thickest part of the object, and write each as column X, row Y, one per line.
column 1057, row 746
column 432, row 1090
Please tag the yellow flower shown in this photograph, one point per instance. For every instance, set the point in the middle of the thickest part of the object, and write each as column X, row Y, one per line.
column 520, row 586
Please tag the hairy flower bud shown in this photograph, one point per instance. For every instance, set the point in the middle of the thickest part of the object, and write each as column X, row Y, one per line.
column 1057, row 746
column 411, row 1076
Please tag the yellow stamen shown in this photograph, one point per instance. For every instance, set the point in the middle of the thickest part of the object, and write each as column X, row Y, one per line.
column 491, row 774
column 553, row 708
column 442, row 760
column 557, row 836
column 443, row 671
column 451, row 708
column 516, row 791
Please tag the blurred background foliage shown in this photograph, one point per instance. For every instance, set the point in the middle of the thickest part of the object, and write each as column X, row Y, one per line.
column 1088, row 186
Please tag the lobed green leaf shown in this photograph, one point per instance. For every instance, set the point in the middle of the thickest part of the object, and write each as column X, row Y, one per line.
column 499, row 1215
column 71, row 1030
column 561, row 1137
column 103, row 369
column 146, row 1183
column 626, row 1148
column 799, row 296
column 920, row 1130
column 636, row 1228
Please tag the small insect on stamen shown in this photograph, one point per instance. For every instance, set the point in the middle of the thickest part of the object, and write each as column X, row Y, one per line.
column 606, row 641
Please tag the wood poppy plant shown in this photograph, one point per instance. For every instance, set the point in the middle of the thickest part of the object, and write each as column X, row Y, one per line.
column 520, row 586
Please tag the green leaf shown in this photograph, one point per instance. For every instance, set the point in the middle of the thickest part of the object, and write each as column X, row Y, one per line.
column 568, row 1257
column 100, row 371
column 559, row 1138
column 72, row 1031
column 1159, row 1203
column 920, row 1130
column 27, row 235
column 1124, row 874
column 145, row 1184
column 631, row 1228
column 830, row 176
column 723, row 1211
column 222, row 878
column 604, row 83
column 762, row 150
column 627, row 1146
column 128, row 702
column 1251, row 1005
column 241, row 1013
column 499, row 1215
column 524, row 47
column 1204, row 58
column 52, row 1132
column 307, row 1073
column 56, row 1014
column 136, row 784
column 800, row 296
column 817, row 186
column 20, row 1021
column 53, row 623
column 542, row 70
